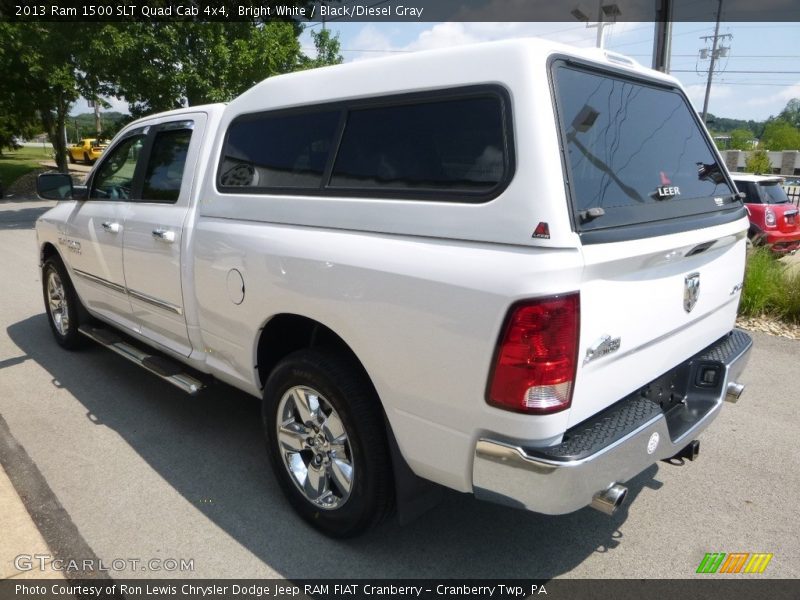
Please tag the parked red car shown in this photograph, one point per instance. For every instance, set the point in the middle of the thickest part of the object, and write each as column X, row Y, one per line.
column 773, row 218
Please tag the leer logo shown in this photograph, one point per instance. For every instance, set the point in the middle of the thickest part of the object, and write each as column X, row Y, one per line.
column 737, row 562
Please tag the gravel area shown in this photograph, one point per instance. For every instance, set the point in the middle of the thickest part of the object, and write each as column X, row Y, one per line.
column 771, row 326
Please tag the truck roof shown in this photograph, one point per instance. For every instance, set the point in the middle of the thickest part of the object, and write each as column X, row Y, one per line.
column 429, row 69
column 207, row 108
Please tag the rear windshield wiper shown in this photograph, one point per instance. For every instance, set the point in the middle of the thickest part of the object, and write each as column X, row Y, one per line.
column 591, row 214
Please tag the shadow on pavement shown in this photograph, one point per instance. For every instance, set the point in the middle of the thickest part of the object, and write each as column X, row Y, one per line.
column 210, row 449
column 20, row 218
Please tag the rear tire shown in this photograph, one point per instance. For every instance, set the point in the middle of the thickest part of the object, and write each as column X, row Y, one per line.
column 71, row 158
column 86, row 159
column 61, row 304
column 327, row 442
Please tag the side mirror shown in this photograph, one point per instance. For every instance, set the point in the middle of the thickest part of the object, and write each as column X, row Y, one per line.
column 54, row 186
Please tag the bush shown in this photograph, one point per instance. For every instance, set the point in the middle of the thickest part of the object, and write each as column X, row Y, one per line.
column 758, row 162
column 769, row 288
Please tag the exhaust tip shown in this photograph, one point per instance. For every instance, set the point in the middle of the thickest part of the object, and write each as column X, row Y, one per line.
column 608, row 501
column 734, row 391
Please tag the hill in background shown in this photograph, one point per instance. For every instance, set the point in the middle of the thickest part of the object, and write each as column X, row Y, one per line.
column 82, row 125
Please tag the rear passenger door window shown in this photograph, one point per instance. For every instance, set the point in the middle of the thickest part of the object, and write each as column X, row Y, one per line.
column 165, row 166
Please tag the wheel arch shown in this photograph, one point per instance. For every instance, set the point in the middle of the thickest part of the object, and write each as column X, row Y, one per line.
column 47, row 250
column 285, row 333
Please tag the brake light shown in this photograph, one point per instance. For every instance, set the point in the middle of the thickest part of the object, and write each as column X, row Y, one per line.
column 769, row 217
column 535, row 363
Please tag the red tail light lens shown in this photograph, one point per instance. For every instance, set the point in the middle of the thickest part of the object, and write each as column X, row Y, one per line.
column 535, row 366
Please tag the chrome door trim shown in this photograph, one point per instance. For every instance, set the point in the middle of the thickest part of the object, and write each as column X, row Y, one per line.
column 132, row 293
column 155, row 302
column 99, row 280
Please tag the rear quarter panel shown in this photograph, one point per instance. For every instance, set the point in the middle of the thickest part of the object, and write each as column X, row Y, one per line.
column 422, row 315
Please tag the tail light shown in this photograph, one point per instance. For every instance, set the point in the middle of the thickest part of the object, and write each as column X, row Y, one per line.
column 769, row 217
column 535, row 363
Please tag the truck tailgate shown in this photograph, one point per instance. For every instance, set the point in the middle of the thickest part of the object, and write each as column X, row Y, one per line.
column 644, row 312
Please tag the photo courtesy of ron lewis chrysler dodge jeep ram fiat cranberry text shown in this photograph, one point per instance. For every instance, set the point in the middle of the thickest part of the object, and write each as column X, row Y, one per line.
column 510, row 269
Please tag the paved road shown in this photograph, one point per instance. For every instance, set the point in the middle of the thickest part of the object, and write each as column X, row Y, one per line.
column 135, row 469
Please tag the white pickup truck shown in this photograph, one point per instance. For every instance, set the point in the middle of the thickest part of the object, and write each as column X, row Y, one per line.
column 510, row 269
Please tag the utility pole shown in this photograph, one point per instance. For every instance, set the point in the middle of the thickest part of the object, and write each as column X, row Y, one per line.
column 98, row 126
column 714, row 54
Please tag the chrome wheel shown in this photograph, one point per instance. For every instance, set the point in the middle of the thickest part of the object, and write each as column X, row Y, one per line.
column 314, row 447
column 57, row 303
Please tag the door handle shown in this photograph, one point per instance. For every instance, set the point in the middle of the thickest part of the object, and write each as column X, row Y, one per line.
column 111, row 227
column 164, row 235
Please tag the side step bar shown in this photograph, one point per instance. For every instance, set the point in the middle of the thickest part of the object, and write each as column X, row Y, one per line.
column 165, row 368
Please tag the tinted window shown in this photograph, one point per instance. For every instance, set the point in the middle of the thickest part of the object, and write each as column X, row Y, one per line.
column 278, row 151
column 448, row 145
column 773, row 193
column 636, row 151
column 114, row 179
column 750, row 191
column 162, row 180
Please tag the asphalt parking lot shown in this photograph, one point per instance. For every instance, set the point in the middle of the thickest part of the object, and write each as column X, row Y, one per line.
column 134, row 469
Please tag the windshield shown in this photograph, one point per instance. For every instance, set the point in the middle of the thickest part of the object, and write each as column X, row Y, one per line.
column 636, row 152
column 773, row 193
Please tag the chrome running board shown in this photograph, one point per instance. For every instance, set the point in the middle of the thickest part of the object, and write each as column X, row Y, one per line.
column 166, row 369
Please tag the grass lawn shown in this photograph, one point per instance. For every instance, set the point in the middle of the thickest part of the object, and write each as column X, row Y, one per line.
column 16, row 163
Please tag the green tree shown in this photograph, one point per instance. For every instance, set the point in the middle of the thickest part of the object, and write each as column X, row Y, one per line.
column 741, row 139
column 328, row 50
column 758, row 162
column 44, row 73
column 162, row 66
column 780, row 135
column 791, row 113
column 155, row 66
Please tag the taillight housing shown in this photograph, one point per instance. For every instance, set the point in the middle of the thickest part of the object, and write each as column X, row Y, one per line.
column 537, row 356
column 769, row 217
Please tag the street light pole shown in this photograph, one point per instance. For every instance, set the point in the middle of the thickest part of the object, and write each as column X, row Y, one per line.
column 611, row 11
column 662, row 40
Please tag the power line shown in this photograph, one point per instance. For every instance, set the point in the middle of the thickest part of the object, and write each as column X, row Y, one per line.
column 749, row 72
column 650, row 41
column 384, row 51
column 757, row 83
column 736, row 56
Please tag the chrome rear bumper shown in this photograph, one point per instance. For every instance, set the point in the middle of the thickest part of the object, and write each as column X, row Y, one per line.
column 613, row 446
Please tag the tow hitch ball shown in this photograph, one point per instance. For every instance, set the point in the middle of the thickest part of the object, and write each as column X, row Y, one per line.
column 689, row 452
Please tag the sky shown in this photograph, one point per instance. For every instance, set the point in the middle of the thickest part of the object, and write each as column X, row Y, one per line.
column 759, row 76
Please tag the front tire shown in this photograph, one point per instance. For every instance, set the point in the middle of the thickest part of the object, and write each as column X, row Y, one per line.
column 327, row 442
column 61, row 304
